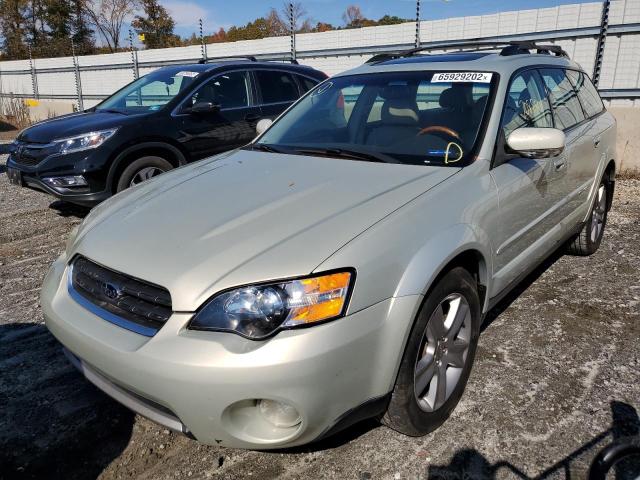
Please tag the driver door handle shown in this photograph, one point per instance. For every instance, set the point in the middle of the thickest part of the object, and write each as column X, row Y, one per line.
column 560, row 163
column 252, row 117
column 596, row 142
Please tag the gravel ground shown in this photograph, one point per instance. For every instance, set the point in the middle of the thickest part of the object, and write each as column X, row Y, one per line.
column 557, row 377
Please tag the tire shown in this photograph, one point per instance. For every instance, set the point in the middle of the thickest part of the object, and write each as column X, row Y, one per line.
column 413, row 410
column 142, row 169
column 590, row 237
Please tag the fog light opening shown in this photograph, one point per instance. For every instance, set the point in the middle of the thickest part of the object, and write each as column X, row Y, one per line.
column 279, row 414
column 68, row 181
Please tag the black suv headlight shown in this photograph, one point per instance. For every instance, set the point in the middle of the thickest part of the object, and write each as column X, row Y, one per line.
column 257, row 311
column 84, row 141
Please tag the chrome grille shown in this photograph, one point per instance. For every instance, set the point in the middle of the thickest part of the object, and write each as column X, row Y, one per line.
column 28, row 154
column 137, row 305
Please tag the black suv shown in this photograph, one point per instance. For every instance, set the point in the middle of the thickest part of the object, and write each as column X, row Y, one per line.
column 165, row 119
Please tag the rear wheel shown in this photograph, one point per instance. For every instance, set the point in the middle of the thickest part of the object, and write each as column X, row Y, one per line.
column 142, row 169
column 438, row 357
column 590, row 237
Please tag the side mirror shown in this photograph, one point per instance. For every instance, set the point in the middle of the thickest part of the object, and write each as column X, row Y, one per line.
column 537, row 142
column 204, row 107
column 262, row 125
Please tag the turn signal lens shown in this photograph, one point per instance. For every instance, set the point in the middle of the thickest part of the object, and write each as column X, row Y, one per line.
column 318, row 298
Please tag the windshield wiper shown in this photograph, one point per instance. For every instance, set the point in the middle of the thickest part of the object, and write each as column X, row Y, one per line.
column 263, row 147
column 110, row 110
column 346, row 153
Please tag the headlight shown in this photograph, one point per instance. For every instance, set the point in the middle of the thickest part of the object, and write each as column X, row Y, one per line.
column 257, row 311
column 84, row 141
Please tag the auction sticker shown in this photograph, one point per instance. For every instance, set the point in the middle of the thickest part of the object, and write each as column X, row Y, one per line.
column 187, row 73
column 475, row 77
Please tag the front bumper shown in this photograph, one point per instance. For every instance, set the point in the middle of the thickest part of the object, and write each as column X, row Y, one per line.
column 73, row 164
column 206, row 384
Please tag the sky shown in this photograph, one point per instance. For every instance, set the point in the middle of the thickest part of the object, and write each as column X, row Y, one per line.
column 225, row 13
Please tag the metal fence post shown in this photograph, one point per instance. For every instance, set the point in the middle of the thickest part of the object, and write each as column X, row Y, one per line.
column 76, row 68
column 417, row 23
column 34, row 75
column 134, row 57
column 203, row 46
column 292, row 22
column 602, row 37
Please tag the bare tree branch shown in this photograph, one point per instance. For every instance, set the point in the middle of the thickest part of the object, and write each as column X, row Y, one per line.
column 108, row 16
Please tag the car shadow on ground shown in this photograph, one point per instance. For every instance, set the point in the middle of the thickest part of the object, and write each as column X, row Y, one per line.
column 625, row 426
column 53, row 423
column 66, row 209
column 521, row 287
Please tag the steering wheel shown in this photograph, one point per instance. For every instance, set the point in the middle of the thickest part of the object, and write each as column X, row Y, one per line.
column 446, row 134
column 440, row 131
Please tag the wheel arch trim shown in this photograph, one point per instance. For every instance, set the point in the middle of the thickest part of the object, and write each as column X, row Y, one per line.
column 426, row 267
column 175, row 151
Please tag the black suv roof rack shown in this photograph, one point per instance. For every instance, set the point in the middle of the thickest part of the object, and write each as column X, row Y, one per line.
column 523, row 47
column 251, row 58
column 233, row 57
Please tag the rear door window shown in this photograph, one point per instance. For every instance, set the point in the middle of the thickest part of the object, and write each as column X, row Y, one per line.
column 587, row 93
column 567, row 110
column 276, row 86
column 526, row 104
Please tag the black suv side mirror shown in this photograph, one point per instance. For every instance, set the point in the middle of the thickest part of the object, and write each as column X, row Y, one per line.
column 204, row 107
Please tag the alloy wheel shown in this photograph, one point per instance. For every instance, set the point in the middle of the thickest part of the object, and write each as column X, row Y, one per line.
column 145, row 174
column 443, row 352
column 598, row 213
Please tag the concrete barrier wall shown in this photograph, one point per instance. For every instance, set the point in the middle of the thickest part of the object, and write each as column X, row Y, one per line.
column 628, row 143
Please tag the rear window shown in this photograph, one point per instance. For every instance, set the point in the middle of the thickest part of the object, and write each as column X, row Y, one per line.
column 277, row 87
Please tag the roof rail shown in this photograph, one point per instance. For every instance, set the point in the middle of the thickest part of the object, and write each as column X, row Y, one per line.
column 506, row 49
column 233, row 57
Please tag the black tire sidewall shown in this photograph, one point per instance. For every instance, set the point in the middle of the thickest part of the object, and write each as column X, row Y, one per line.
column 130, row 171
column 404, row 413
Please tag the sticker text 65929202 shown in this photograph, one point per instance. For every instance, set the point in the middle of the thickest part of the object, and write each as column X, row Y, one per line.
column 479, row 77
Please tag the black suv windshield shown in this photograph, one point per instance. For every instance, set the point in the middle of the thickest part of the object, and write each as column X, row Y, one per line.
column 150, row 92
column 419, row 118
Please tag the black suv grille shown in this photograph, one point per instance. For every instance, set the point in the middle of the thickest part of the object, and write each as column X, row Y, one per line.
column 29, row 154
column 133, row 300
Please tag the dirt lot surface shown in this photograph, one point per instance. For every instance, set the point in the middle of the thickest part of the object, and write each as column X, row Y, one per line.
column 557, row 377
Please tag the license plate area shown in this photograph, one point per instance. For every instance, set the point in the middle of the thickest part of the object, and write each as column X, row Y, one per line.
column 15, row 176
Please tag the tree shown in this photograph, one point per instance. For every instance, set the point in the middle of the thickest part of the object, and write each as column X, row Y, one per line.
column 14, row 28
column 323, row 27
column 82, row 35
column 353, row 17
column 392, row 20
column 108, row 16
column 157, row 26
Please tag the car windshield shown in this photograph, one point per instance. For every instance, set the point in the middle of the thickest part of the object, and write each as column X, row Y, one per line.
column 150, row 92
column 418, row 118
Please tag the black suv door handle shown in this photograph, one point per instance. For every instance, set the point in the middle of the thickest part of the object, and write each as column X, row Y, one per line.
column 252, row 117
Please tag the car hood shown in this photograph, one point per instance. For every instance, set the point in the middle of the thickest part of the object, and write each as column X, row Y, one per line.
column 245, row 217
column 73, row 124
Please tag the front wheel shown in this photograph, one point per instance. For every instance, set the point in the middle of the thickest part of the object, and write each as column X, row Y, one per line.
column 141, row 170
column 438, row 356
